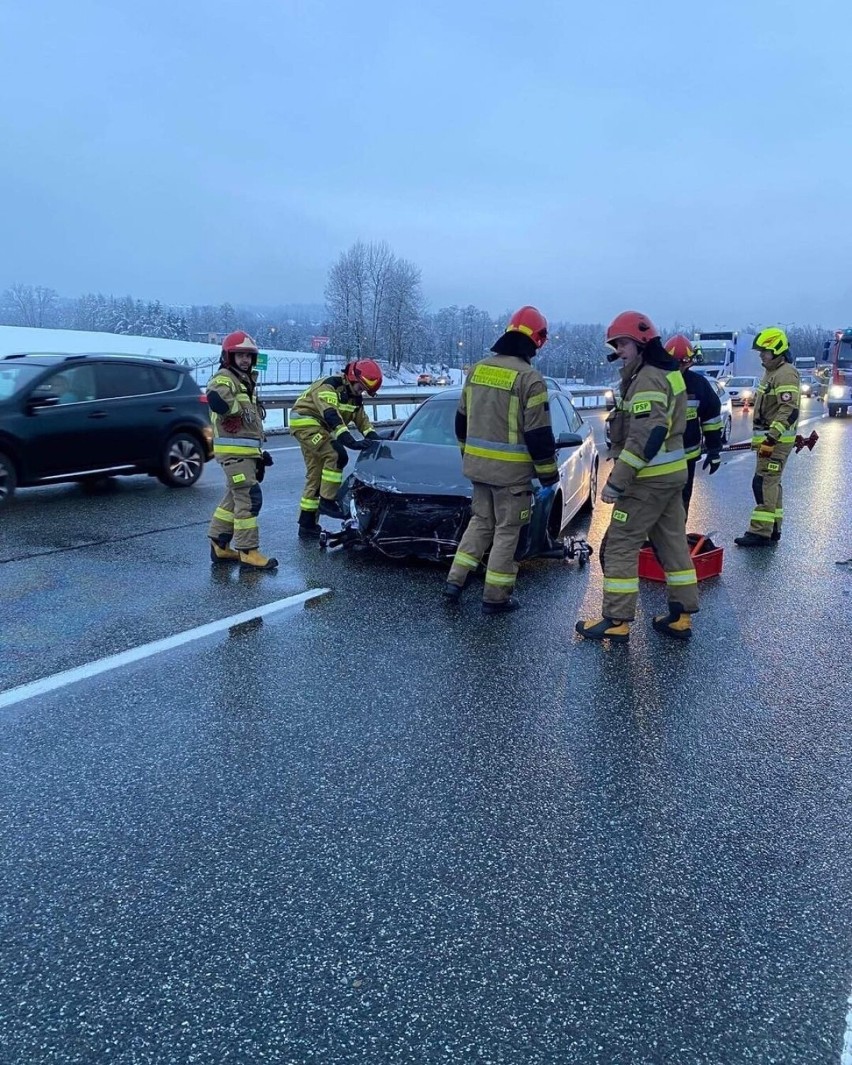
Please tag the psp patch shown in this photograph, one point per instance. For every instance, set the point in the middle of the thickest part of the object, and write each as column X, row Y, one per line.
column 786, row 397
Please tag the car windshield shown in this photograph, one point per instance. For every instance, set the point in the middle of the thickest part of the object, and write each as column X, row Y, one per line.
column 13, row 377
column 433, row 423
column 739, row 382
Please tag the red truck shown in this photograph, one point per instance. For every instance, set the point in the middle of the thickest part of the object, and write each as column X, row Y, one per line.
column 838, row 354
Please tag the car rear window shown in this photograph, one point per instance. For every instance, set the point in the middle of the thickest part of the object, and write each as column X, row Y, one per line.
column 14, row 376
column 116, row 380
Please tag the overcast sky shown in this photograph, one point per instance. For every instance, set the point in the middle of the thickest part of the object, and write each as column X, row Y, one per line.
column 693, row 161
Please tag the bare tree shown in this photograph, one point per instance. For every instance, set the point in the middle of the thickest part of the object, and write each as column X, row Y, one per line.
column 402, row 317
column 22, row 301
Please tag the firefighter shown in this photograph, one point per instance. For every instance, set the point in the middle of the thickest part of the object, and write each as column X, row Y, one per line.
column 776, row 415
column 646, row 485
column 504, row 431
column 703, row 416
column 237, row 417
column 320, row 421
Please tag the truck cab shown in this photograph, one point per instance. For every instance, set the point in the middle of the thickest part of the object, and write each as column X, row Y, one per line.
column 838, row 354
column 725, row 353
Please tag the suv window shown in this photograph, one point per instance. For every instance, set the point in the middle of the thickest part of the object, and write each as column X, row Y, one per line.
column 71, row 384
column 116, row 380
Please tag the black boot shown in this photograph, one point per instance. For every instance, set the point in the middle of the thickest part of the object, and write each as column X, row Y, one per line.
column 506, row 607
column 776, row 534
column 308, row 525
column 453, row 592
column 332, row 509
column 751, row 539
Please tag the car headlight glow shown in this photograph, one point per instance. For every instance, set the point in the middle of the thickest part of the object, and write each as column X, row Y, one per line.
column 836, row 391
column 608, row 394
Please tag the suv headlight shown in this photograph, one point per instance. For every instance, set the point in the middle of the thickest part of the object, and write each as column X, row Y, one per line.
column 836, row 391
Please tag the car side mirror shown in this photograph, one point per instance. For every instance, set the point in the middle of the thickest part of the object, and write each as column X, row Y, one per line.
column 385, row 434
column 568, row 440
column 43, row 400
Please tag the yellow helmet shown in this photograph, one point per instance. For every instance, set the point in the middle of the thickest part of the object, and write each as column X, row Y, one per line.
column 772, row 339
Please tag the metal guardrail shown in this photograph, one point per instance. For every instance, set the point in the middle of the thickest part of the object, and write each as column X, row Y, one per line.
column 393, row 405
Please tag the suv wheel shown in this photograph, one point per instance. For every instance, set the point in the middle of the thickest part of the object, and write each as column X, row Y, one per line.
column 183, row 461
column 8, row 479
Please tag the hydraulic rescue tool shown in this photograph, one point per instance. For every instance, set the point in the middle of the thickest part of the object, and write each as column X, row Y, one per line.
column 801, row 441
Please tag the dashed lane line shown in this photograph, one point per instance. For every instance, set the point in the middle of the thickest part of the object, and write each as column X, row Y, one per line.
column 12, row 696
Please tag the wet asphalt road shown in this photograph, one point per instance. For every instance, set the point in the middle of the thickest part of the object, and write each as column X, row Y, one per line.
column 380, row 830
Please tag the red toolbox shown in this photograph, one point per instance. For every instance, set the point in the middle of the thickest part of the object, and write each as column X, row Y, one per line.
column 706, row 557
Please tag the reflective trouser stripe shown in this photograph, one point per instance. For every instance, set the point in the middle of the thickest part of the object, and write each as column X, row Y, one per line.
column 502, row 580
column 245, row 523
column 332, row 476
column 763, row 517
column 621, row 585
column 681, row 577
column 308, row 504
column 711, row 426
column 464, row 559
column 224, row 515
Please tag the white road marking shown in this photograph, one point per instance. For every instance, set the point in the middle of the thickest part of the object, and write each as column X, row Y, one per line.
column 103, row 665
column 846, row 1053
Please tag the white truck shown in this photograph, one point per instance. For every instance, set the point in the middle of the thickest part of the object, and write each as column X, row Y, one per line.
column 726, row 353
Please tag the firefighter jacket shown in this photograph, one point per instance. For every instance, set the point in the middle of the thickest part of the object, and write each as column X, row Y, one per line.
column 503, row 424
column 329, row 405
column 703, row 416
column 776, row 407
column 236, row 413
column 647, row 426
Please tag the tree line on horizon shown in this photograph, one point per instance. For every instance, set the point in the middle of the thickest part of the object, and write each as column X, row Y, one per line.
column 374, row 308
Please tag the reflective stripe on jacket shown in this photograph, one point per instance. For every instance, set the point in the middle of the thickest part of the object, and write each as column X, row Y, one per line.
column 239, row 433
column 503, row 423
column 776, row 406
column 654, row 403
column 330, row 405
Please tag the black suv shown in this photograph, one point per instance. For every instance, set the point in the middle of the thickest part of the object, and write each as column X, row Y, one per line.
column 80, row 417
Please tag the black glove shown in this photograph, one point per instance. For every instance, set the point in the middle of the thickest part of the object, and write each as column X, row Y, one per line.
column 348, row 440
column 548, row 479
column 261, row 464
column 342, row 457
column 712, row 462
column 372, row 435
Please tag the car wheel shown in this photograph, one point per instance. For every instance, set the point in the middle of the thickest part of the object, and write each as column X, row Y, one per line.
column 592, row 500
column 726, row 431
column 8, row 479
column 183, row 461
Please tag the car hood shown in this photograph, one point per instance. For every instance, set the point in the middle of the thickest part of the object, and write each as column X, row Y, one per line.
column 411, row 468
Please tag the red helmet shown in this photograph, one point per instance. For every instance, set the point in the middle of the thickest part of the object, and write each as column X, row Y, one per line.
column 367, row 372
column 237, row 343
column 680, row 348
column 531, row 322
column 632, row 324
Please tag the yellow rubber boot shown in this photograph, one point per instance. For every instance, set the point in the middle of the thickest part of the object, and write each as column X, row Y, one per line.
column 674, row 624
column 604, row 629
column 223, row 553
column 255, row 560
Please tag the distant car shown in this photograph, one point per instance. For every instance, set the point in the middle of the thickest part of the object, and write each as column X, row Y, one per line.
column 609, row 398
column 83, row 417
column 727, row 413
column 425, row 379
column 812, row 387
column 443, row 381
column 742, row 390
column 408, row 496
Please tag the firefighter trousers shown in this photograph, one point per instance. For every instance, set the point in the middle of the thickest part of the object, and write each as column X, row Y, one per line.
column 498, row 516
column 647, row 511
column 323, row 469
column 768, row 513
column 236, row 515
